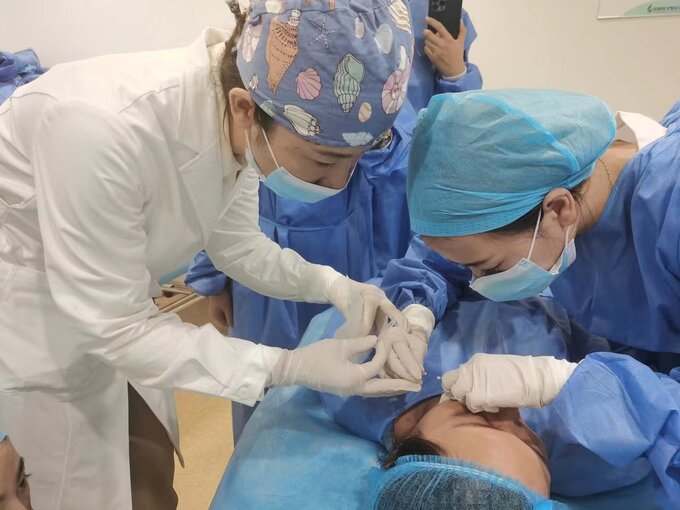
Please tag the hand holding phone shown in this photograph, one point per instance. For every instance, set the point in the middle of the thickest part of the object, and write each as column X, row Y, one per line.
column 445, row 52
column 448, row 13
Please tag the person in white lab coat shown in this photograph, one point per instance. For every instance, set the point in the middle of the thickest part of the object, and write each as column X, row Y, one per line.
column 115, row 171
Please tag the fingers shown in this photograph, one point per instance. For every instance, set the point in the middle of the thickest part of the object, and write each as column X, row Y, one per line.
column 449, row 379
column 393, row 313
column 432, row 38
column 388, row 387
column 368, row 316
column 396, row 367
column 373, row 367
column 429, row 53
column 408, row 361
column 439, row 28
column 361, row 345
column 476, row 402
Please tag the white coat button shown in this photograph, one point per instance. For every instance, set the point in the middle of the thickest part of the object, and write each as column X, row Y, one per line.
column 243, row 392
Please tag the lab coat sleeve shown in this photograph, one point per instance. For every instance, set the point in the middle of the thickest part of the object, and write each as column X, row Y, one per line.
column 426, row 278
column 240, row 250
column 203, row 277
column 89, row 171
column 621, row 411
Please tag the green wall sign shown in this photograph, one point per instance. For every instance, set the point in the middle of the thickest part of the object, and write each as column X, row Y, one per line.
column 635, row 9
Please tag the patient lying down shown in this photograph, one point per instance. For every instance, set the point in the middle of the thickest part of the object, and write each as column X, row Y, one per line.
column 501, row 442
column 439, row 455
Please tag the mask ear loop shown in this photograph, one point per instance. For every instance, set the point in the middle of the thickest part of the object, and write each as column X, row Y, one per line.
column 250, row 148
column 533, row 241
column 270, row 148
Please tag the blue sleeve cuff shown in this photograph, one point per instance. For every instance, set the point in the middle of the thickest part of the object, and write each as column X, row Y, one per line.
column 471, row 80
column 204, row 278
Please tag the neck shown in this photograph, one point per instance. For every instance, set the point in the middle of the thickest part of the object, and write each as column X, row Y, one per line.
column 599, row 187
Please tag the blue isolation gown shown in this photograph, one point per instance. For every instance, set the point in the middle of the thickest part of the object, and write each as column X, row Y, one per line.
column 357, row 232
column 625, row 282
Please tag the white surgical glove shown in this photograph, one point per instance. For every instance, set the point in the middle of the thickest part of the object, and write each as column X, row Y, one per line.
column 489, row 382
column 407, row 348
column 329, row 366
column 363, row 306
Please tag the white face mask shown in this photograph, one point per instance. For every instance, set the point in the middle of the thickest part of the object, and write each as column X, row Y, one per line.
column 286, row 185
column 526, row 278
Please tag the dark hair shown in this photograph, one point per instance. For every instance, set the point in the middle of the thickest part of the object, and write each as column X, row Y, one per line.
column 528, row 221
column 230, row 77
column 413, row 445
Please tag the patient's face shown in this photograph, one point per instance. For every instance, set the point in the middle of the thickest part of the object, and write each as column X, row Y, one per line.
column 15, row 493
column 499, row 441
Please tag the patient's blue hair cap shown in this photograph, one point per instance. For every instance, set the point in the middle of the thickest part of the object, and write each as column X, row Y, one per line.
column 422, row 482
column 481, row 160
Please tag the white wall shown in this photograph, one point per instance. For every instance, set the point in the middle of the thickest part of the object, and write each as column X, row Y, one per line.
column 633, row 64
column 63, row 30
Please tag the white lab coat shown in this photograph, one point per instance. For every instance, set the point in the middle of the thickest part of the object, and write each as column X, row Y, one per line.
column 112, row 175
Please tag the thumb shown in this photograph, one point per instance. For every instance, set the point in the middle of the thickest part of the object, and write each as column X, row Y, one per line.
column 376, row 365
column 449, row 379
column 477, row 402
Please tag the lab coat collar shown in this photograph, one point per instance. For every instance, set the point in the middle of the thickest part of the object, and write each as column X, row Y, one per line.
column 198, row 129
column 198, row 123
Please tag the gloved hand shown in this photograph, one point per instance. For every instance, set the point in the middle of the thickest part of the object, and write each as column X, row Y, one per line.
column 489, row 382
column 407, row 348
column 328, row 366
column 363, row 306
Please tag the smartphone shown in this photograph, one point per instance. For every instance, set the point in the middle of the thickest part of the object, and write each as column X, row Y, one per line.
column 448, row 13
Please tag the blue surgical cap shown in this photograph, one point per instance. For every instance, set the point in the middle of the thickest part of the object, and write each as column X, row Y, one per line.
column 423, row 482
column 334, row 72
column 481, row 160
column 2, row 436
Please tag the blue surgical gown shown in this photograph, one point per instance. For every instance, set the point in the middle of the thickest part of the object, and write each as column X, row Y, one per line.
column 613, row 423
column 357, row 232
column 625, row 282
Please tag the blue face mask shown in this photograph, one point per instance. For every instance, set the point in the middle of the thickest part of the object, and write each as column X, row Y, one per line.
column 526, row 278
column 286, row 185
